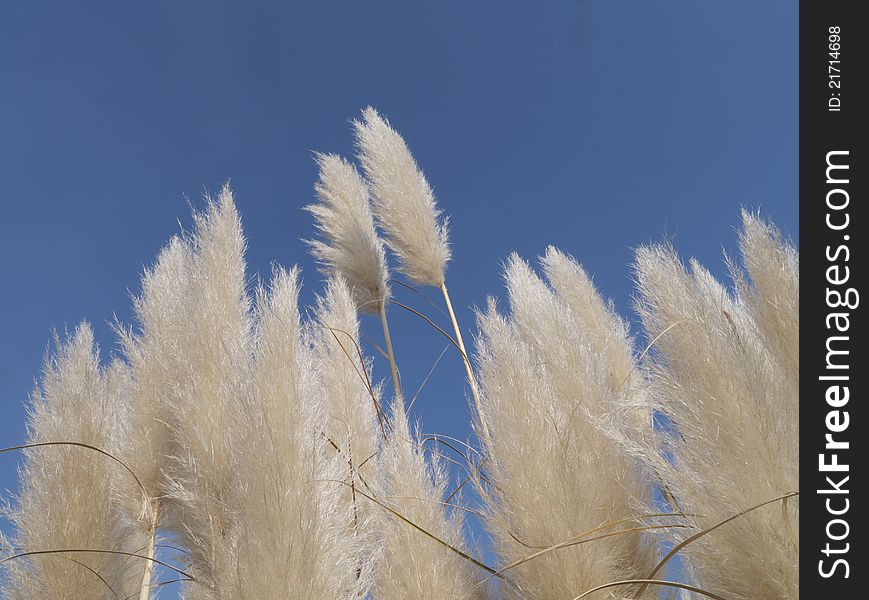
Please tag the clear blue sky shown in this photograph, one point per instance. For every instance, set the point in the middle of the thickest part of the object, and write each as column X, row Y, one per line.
column 594, row 125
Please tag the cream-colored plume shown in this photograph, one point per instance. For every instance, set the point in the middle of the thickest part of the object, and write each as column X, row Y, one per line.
column 403, row 201
column 293, row 515
column 157, row 356
column 66, row 501
column 414, row 566
column 159, row 369
column 352, row 419
column 255, row 494
column 772, row 291
column 551, row 373
column 216, row 342
column 350, row 246
column 726, row 374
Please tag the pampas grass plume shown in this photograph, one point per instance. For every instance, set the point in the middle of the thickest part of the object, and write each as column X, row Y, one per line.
column 216, row 343
column 293, row 519
column 158, row 361
column 403, row 201
column 350, row 246
column 414, row 566
column 67, row 500
column 549, row 372
column 157, row 358
column 352, row 419
column 726, row 376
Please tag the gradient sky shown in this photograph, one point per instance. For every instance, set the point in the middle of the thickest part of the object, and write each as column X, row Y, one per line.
column 594, row 125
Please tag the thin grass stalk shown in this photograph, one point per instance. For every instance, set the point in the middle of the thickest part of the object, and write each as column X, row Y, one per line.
column 389, row 352
column 471, row 380
column 145, row 592
column 462, row 554
column 61, row 551
column 678, row 547
column 661, row 582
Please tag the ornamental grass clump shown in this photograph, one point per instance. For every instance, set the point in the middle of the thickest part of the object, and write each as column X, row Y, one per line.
column 244, row 448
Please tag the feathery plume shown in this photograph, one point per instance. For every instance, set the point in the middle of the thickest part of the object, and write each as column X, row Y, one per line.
column 157, row 359
column 772, row 290
column 414, row 566
column 293, row 515
column 350, row 245
column 66, row 502
column 353, row 419
column 725, row 374
column 158, row 362
column 549, row 374
column 352, row 248
column 601, row 326
column 405, row 208
column 216, row 346
column 403, row 201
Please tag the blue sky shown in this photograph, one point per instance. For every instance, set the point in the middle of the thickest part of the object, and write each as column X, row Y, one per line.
column 594, row 125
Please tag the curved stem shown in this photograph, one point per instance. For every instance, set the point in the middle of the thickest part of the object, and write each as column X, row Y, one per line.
column 676, row 549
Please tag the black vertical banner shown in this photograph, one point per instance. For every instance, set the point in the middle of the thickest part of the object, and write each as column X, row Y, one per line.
column 834, row 437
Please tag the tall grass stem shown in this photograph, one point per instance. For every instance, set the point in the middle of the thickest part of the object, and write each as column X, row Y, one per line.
column 471, row 380
column 393, row 367
column 145, row 593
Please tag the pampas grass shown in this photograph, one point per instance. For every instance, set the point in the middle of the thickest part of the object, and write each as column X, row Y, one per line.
column 157, row 358
column 352, row 421
column 350, row 246
column 65, row 512
column 727, row 378
column 560, row 360
column 404, row 203
column 351, row 403
column 247, row 446
column 293, row 523
column 406, row 210
column 415, row 565
column 201, row 472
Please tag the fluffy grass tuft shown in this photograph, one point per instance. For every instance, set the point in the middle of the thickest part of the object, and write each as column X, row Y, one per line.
column 404, row 203
column 415, row 566
column 727, row 379
column 216, row 339
column 548, row 372
column 66, row 504
column 350, row 246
